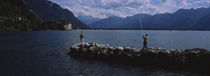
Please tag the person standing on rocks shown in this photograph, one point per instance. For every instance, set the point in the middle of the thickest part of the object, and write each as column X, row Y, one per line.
column 82, row 38
column 145, row 41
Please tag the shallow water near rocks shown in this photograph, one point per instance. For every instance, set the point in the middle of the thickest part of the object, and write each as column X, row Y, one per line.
column 43, row 52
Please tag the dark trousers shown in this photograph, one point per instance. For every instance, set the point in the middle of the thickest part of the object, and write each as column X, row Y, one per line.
column 81, row 40
column 145, row 44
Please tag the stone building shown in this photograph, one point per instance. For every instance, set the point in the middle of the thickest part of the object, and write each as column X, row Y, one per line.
column 66, row 24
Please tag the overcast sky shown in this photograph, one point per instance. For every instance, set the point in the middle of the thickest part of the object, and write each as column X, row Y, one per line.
column 124, row 8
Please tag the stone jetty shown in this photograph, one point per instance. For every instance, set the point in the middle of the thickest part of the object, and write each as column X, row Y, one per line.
column 196, row 58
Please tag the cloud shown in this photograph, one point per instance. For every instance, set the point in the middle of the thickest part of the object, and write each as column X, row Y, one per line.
column 124, row 8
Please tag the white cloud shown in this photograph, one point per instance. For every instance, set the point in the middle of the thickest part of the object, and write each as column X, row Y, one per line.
column 123, row 8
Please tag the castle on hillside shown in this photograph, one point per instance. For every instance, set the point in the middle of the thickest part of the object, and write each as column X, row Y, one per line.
column 66, row 24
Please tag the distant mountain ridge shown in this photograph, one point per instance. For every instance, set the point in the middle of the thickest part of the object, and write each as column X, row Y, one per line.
column 181, row 19
column 88, row 19
column 49, row 11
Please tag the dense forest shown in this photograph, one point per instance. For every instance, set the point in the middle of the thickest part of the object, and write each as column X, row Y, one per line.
column 49, row 11
column 15, row 16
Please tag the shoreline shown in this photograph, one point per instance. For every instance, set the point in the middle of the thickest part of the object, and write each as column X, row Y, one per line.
column 142, row 29
column 112, row 29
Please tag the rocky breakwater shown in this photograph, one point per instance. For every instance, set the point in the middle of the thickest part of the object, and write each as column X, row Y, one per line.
column 196, row 58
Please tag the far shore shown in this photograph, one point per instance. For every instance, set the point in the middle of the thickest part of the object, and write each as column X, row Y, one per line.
column 112, row 29
column 140, row 29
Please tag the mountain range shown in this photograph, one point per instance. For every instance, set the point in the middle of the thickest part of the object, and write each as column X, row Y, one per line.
column 88, row 19
column 49, row 11
column 181, row 19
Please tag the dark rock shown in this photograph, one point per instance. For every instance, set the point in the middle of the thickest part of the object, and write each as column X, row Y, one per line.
column 197, row 57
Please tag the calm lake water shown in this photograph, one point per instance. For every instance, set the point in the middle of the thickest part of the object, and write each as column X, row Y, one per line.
column 41, row 53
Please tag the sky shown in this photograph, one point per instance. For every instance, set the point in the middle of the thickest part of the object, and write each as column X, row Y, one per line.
column 124, row 8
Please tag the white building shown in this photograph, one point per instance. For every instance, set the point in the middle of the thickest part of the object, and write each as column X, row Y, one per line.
column 68, row 26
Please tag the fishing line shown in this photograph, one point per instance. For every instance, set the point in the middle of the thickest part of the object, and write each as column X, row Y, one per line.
column 151, row 39
column 141, row 26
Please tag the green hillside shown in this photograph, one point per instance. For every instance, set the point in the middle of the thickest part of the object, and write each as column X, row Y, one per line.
column 15, row 16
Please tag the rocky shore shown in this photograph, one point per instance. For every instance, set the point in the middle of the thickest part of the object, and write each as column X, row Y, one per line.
column 196, row 58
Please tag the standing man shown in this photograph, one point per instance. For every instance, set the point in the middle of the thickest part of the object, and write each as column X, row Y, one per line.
column 145, row 41
column 82, row 37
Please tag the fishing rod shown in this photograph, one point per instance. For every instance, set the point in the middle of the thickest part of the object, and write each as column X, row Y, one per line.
column 141, row 26
column 142, row 32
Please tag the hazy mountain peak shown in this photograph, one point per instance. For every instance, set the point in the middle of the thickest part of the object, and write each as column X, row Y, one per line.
column 88, row 19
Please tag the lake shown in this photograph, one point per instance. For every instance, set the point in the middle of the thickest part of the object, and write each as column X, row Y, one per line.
column 42, row 53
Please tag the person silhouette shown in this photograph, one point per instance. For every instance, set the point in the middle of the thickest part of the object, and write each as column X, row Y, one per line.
column 82, row 37
column 145, row 41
